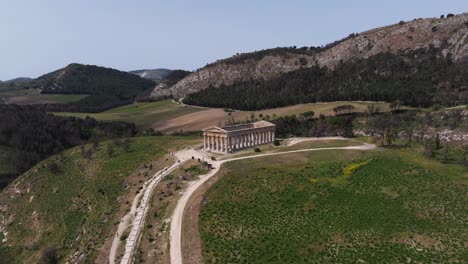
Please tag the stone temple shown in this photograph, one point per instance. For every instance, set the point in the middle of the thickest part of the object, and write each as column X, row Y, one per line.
column 231, row 138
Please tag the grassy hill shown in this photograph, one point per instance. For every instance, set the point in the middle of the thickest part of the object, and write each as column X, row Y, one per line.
column 70, row 206
column 336, row 207
column 105, row 87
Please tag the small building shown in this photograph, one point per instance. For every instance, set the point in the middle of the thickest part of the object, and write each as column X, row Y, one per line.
column 231, row 138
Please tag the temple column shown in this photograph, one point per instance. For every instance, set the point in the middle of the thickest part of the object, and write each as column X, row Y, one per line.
column 218, row 143
column 215, row 143
column 224, row 144
column 208, row 138
column 204, row 142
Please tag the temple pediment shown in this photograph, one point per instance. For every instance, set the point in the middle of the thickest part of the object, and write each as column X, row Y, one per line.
column 214, row 129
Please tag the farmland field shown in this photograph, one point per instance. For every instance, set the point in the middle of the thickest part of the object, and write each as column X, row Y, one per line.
column 215, row 116
column 336, row 207
column 142, row 114
column 33, row 96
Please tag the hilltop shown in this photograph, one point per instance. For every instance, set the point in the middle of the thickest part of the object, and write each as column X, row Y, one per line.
column 445, row 38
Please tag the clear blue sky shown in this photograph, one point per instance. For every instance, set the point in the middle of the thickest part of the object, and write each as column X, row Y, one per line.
column 38, row 36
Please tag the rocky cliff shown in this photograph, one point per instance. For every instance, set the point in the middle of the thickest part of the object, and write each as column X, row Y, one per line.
column 448, row 34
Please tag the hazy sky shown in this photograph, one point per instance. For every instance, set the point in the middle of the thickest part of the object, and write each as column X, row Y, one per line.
column 38, row 36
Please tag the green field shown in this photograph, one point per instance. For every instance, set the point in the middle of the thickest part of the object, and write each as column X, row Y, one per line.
column 346, row 206
column 71, row 209
column 142, row 114
column 33, row 96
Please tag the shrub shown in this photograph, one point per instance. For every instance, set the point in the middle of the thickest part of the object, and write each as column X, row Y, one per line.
column 276, row 142
column 257, row 150
column 49, row 256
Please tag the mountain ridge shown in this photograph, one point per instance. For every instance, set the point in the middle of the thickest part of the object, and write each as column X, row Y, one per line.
column 449, row 34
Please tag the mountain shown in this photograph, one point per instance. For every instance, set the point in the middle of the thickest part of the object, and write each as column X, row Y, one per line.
column 106, row 87
column 16, row 80
column 152, row 74
column 162, row 89
column 13, row 84
column 94, row 80
column 445, row 38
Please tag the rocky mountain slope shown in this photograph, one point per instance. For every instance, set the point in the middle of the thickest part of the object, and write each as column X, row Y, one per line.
column 450, row 35
column 152, row 74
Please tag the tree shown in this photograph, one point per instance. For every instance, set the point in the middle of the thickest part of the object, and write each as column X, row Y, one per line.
column 445, row 152
column 126, row 144
column 429, row 148
column 48, row 256
column 308, row 115
column 54, row 168
column 372, row 109
column 110, row 150
column 464, row 152
column 395, row 106
column 95, row 143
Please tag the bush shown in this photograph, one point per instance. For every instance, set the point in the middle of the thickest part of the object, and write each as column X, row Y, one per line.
column 49, row 256
column 276, row 142
column 257, row 150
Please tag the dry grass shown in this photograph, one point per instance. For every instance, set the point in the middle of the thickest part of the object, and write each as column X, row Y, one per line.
column 216, row 116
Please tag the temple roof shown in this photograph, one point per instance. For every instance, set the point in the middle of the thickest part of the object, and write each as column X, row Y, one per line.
column 258, row 124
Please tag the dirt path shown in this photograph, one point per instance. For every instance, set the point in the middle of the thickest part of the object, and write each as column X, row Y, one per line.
column 177, row 217
column 135, row 218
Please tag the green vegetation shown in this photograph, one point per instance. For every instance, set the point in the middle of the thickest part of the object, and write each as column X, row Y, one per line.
column 7, row 160
column 337, row 207
column 105, row 87
column 419, row 78
column 71, row 207
column 33, row 96
column 142, row 114
column 7, row 165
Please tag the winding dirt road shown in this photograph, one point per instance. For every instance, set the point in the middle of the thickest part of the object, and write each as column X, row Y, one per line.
column 176, row 219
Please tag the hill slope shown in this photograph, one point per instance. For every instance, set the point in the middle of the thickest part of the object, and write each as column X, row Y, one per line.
column 94, row 80
column 73, row 205
column 448, row 36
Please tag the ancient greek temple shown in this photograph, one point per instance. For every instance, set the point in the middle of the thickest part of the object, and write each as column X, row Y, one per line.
column 231, row 138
